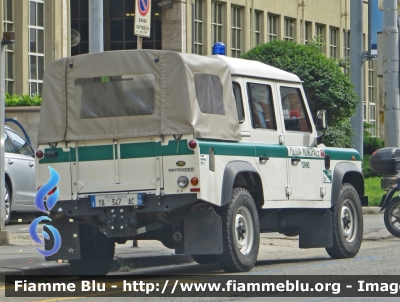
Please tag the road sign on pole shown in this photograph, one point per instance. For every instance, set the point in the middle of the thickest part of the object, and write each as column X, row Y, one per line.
column 143, row 18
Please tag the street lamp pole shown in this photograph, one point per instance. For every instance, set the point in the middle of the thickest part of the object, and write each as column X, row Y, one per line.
column 8, row 38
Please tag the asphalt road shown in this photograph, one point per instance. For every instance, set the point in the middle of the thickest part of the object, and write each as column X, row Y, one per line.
column 376, row 257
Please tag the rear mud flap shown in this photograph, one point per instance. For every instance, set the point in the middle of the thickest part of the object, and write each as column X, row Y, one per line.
column 70, row 246
column 202, row 231
column 316, row 230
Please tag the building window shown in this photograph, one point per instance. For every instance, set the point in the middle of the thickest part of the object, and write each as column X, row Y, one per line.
column 372, row 119
column 216, row 23
column 198, row 20
column 154, row 41
column 257, row 27
column 371, row 82
column 371, row 97
column 272, row 27
column 333, row 42
column 307, row 33
column 36, row 46
column 122, row 14
column 236, row 17
column 9, row 50
column 289, row 29
column 80, row 22
column 319, row 34
column 346, row 50
column 365, row 111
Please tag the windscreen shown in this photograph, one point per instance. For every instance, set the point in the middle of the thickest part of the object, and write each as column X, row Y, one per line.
column 115, row 96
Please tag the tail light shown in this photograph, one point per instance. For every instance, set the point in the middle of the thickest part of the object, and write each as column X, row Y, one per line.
column 192, row 144
column 39, row 154
column 194, row 181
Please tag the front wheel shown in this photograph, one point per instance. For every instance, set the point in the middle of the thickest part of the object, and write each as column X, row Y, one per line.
column 347, row 224
column 392, row 217
column 240, row 232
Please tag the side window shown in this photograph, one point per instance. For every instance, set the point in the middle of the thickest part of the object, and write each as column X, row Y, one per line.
column 8, row 146
column 294, row 112
column 209, row 93
column 262, row 106
column 21, row 145
column 239, row 101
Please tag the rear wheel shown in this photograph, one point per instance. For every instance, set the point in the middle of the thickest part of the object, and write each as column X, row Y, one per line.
column 97, row 253
column 347, row 224
column 240, row 232
column 7, row 202
column 392, row 217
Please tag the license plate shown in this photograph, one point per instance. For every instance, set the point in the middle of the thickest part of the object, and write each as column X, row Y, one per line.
column 113, row 200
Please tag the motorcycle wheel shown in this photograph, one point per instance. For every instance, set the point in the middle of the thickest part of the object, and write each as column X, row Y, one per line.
column 392, row 217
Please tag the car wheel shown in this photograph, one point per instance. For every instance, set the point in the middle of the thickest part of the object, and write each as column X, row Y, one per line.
column 347, row 224
column 392, row 217
column 240, row 232
column 7, row 202
column 97, row 253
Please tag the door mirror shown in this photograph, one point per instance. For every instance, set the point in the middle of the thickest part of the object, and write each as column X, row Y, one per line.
column 321, row 122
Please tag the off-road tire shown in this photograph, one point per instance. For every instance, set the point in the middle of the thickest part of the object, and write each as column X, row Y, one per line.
column 347, row 224
column 97, row 253
column 393, row 211
column 240, row 211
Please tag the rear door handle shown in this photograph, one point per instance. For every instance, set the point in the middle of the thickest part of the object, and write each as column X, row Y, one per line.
column 263, row 158
column 295, row 161
column 31, row 165
column 10, row 162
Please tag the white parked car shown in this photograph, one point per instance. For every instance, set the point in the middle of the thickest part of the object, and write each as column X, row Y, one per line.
column 20, row 187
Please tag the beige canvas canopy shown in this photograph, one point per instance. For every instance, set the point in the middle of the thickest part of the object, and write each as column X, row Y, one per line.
column 125, row 94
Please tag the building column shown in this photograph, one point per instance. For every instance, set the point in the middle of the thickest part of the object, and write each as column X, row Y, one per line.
column 21, row 60
column 96, row 35
column 173, row 29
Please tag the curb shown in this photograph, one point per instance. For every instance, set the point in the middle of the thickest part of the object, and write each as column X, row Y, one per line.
column 371, row 210
column 47, row 269
column 119, row 263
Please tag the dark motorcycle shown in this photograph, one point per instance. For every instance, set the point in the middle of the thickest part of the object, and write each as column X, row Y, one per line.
column 386, row 161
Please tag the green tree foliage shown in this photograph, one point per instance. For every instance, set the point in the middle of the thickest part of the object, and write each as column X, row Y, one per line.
column 370, row 145
column 23, row 100
column 325, row 84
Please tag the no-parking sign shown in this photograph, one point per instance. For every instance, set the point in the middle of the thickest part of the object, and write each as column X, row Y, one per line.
column 143, row 18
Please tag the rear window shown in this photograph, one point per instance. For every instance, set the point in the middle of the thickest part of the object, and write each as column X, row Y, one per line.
column 209, row 93
column 114, row 96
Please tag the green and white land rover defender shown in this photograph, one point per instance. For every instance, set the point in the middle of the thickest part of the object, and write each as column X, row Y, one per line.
column 203, row 153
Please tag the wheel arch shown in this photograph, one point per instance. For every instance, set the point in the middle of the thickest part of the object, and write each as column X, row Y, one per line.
column 346, row 173
column 242, row 174
column 8, row 182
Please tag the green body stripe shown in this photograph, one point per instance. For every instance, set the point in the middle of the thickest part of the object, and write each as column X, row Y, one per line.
column 132, row 150
column 224, row 148
column 92, row 153
column 151, row 149
column 342, row 154
column 138, row 150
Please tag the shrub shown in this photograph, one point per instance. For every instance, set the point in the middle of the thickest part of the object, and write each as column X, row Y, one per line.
column 23, row 100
